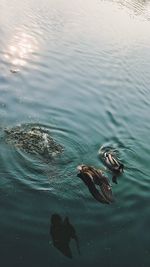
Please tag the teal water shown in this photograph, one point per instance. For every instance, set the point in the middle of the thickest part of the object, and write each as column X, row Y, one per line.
column 81, row 70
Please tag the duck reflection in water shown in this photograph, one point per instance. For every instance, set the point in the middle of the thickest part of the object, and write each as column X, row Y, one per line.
column 62, row 231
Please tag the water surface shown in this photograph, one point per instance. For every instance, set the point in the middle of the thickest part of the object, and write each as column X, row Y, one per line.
column 81, row 70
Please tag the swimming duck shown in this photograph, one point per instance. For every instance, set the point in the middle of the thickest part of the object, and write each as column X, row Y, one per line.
column 113, row 163
column 92, row 177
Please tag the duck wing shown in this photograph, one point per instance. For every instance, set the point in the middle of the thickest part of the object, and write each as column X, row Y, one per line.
column 107, row 192
column 92, row 188
column 102, row 178
column 97, row 195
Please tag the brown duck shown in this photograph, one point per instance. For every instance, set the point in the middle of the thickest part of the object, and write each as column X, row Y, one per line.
column 92, row 177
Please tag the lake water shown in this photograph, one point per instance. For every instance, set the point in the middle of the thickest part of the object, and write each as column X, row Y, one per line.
column 81, row 71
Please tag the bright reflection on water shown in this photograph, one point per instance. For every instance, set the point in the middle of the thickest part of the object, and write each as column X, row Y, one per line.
column 80, row 71
column 20, row 49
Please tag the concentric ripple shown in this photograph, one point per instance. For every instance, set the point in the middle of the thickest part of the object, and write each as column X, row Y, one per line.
column 43, row 157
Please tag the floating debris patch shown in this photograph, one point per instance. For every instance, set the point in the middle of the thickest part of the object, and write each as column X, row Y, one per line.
column 34, row 140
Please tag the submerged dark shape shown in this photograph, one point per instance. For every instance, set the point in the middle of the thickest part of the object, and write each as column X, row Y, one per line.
column 62, row 231
column 33, row 139
column 112, row 162
column 14, row 70
column 92, row 177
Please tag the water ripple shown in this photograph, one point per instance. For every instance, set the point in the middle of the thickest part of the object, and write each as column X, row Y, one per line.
column 81, row 72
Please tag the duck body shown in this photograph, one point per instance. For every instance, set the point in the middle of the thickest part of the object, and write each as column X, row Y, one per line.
column 92, row 177
column 113, row 163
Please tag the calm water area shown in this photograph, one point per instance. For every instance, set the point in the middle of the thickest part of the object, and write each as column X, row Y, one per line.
column 79, row 70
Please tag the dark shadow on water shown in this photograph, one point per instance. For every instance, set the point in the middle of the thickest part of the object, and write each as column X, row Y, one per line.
column 62, row 232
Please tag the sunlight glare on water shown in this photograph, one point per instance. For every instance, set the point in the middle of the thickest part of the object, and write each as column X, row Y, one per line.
column 20, row 49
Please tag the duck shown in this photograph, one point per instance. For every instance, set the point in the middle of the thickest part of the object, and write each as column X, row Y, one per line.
column 92, row 177
column 113, row 163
